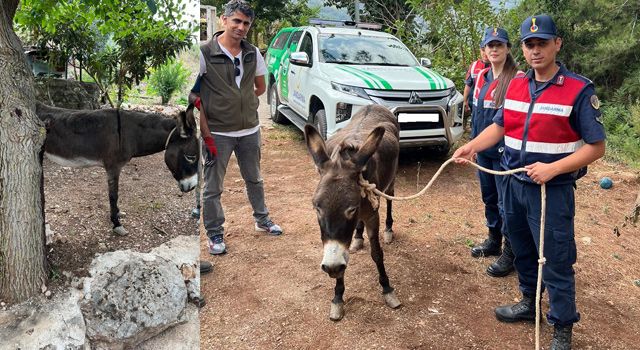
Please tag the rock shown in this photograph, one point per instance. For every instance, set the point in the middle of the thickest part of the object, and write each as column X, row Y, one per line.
column 67, row 93
column 44, row 324
column 131, row 297
column 184, row 252
column 185, row 336
column 48, row 233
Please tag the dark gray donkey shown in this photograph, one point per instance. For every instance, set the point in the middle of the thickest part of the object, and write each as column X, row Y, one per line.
column 368, row 145
column 111, row 137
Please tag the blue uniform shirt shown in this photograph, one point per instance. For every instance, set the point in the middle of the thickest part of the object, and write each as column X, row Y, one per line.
column 196, row 86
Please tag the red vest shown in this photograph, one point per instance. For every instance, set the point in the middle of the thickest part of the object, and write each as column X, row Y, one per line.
column 475, row 69
column 488, row 97
column 540, row 130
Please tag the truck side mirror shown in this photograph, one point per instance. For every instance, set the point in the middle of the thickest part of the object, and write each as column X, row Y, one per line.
column 299, row 59
column 425, row 62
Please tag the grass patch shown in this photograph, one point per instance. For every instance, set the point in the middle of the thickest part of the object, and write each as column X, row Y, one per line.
column 285, row 132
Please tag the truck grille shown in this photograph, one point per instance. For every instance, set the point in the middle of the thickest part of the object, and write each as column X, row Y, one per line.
column 396, row 98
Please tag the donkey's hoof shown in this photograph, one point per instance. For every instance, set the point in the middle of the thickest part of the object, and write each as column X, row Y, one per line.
column 356, row 244
column 121, row 214
column 120, row 231
column 195, row 213
column 391, row 300
column 337, row 312
column 387, row 236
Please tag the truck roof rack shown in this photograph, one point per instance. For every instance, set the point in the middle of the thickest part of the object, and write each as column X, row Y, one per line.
column 349, row 24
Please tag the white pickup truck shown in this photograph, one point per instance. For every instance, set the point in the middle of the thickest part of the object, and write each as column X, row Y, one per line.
column 323, row 75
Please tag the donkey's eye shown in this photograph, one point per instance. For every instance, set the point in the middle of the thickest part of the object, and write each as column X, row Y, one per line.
column 190, row 159
column 317, row 209
column 350, row 212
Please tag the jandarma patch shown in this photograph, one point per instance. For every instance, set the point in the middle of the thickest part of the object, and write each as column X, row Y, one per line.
column 595, row 102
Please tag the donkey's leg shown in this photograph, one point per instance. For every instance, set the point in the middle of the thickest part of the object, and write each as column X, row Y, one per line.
column 373, row 225
column 337, row 304
column 388, row 230
column 358, row 242
column 113, row 175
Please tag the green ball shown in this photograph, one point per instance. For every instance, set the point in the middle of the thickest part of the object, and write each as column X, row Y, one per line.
column 606, row 183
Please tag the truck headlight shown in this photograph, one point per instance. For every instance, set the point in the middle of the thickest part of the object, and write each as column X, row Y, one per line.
column 351, row 90
column 452, row 95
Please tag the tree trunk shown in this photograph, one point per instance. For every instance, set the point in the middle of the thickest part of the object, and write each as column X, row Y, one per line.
column 22, row 237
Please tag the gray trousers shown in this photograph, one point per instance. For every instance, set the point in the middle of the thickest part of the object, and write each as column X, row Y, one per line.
column 247, row 151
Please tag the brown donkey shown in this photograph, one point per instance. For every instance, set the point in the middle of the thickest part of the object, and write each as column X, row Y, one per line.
column 368, row 145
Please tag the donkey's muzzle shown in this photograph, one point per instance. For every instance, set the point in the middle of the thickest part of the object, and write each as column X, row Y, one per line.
column 334, row 271
column 188, row 184
column 335, row 258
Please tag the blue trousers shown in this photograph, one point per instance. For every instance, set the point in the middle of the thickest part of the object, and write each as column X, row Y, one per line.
column 522, row 217
column 491, row 187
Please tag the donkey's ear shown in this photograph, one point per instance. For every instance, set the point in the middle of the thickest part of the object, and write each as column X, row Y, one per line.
column 316, row 146
column 369, row 147
column 190, row 117
column 186, row 122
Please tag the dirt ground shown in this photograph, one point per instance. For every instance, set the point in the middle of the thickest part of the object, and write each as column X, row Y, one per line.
column 269, row 292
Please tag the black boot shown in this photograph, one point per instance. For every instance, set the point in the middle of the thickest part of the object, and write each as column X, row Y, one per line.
column 504, row 265
column 561, row 337
column 205, row 267
column 490, row 246
column 525, row 310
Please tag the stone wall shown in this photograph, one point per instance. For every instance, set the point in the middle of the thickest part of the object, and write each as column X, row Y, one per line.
column 65, row 93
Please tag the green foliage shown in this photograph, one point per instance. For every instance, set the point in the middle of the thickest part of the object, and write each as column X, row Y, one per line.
column 452, row 32
column 601, row 40
column 167, row 79
column 117, row 42
column 182, row 101
column 272, row 15
column 622, row 124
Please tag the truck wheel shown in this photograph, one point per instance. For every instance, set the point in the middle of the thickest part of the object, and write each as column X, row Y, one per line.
column 320, row 122
column 274, row 102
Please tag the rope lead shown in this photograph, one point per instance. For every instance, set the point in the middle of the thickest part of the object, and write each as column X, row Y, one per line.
column 370, row 191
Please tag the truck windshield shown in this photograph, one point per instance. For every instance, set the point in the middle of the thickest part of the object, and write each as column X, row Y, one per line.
column 360, row 49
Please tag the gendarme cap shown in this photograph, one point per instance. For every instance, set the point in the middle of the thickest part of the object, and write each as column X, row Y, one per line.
column 494, row 34
column 541, row 26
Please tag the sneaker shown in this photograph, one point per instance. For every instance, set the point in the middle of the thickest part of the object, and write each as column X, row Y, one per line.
column 216, row 245
column 269, row 227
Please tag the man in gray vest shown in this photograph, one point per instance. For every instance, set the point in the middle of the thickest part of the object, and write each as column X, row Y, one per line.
column 230, row 81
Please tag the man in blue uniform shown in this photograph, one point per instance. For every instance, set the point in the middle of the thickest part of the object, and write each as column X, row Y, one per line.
column 551, row 125
column 470, row 79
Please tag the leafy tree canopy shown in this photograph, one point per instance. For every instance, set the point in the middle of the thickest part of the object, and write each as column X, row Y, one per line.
column 117, row 41
column 271, row 15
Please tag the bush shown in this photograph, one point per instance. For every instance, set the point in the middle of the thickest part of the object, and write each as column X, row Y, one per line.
column 622, row 124
column 167, row 79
